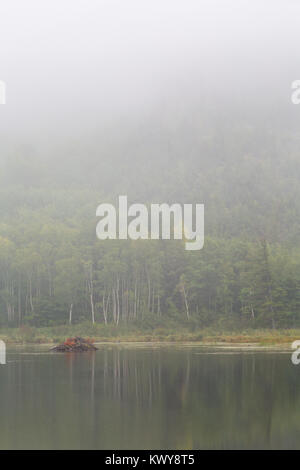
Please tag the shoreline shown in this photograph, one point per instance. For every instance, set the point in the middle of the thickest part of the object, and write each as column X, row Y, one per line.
column 206, row 337
column 246, row 346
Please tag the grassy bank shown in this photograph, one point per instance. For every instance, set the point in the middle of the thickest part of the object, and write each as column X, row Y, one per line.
column 101, row 333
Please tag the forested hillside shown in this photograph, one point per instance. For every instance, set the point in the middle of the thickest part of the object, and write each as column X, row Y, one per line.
column 53, row 270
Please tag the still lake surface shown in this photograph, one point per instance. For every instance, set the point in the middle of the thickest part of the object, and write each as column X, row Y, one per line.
column 149, row 397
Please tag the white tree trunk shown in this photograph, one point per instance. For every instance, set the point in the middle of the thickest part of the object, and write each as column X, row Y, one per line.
column 70, row 314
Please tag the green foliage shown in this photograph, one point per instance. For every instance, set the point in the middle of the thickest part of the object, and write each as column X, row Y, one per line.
column 53, row 270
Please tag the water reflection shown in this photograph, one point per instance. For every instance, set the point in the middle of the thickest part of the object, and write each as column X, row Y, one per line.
column 123, row 397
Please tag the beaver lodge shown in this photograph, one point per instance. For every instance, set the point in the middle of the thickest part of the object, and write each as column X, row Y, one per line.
column 75, row 344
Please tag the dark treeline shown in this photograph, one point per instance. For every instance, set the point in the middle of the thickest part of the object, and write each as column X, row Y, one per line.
column 53, row 270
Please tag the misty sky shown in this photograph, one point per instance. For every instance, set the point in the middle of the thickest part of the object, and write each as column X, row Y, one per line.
column 73, row 65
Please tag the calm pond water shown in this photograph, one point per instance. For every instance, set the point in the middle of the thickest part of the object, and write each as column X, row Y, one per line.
column 129, row 397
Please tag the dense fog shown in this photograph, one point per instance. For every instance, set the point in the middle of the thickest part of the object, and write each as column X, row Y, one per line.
column 162, row 101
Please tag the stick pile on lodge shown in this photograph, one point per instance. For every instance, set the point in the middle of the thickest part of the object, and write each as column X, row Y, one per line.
column 75, row 344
